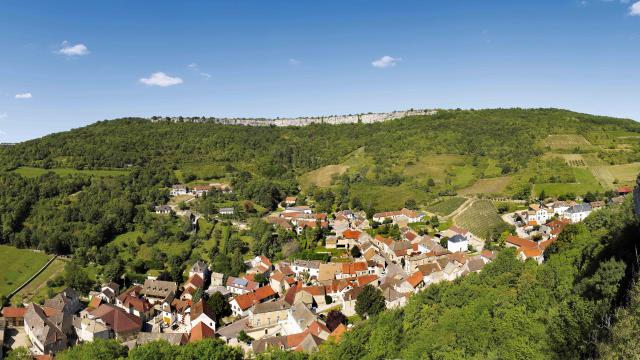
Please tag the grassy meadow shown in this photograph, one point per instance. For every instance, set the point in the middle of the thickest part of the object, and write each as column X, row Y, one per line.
column 18, row 265
column 27, row 171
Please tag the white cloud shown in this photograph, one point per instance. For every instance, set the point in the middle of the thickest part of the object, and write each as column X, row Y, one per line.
column 3, row 115
column 635, row 9
column 294, row 62
column 205, row 75
column 24, row 96
column 193, row 66
column 161, row 79
column 386, row 61
column 73, row 50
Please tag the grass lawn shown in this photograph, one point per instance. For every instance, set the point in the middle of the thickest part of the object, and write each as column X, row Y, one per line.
column 446, row 206
column 495, row 185
column 481, row 218
column 436, row 166
column 585, row 182
column 35, row 172
column 386, row 198
column 18, row 265
column 511, row 206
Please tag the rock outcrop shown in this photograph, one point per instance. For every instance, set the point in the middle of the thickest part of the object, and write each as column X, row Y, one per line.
column 303, row 121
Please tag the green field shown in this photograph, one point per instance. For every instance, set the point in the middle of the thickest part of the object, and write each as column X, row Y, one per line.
column 446, row 206
column 585, row 182
column 495, row 185
column 481, row 218
column 386, row 198
column 35, row 172
column 18, row 265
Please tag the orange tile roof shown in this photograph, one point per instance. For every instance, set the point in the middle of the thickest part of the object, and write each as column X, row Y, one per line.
column 366, row 279
column 314, row 290
column 351, row 234
column 95, row 302
column 530, row 252
column 520, row 242
column 415, row 279
column 264, row 292
column 337, row 332
column 196, row 281
column 201, row 331
column 13, row 312
column 353, row 268
column 316, row 328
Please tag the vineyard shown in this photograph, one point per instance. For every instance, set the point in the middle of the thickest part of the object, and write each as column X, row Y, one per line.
column 567, row 142
column 446, row 206
column 482, row 219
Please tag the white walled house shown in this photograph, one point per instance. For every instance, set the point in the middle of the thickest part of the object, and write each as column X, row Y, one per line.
column 458, row 243
column 577, row 213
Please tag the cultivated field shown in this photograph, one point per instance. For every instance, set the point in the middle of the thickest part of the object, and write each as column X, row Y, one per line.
column 446, row 206
column 481, row 218
column 35, row 172
column 626, row 174
column 567, row 142
column 17, row 266
column 573, row 160
column 585, row 182
column 487, row 186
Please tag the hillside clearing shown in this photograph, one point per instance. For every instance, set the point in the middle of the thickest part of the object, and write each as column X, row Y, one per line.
column 322, row 177
column 487, row 186
column 37, row 289
column 567, row 142
column 18, row 265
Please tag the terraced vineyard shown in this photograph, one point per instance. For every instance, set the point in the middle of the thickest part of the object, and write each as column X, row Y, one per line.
column 482, row 219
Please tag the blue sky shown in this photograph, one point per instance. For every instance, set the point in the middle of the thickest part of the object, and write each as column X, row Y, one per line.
column 65, row 64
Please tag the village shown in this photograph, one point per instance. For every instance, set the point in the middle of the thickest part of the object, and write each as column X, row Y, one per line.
column 291, row 304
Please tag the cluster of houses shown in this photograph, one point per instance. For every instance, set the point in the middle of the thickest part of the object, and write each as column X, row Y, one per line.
column 282, row 305
column 199, row 190
column 298, row 218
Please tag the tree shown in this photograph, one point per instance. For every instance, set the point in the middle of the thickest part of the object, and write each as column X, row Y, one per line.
column 334, row 319
column 370, row 302
column 411, row 204
column 355, row 252
column 543, row 195
column 197, row 295
column 76, row 277
column 237, row 263
column 260, row 278
column 242, row 336
column 96, row 350
column 431, row 183
column 220, row 305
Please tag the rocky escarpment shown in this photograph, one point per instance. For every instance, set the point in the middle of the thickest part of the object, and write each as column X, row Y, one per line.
column 302, row 121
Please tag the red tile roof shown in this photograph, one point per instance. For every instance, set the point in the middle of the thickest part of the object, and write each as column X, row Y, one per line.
column 117, row 319
column 201, row 331
column 415, row 279
column 196, row 281
column 353, row 268
column 351, row 234
column 366, row 279
column 520, row 242
column 13, row 312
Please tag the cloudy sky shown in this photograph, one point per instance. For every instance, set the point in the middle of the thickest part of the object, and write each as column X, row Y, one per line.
column 65, row 64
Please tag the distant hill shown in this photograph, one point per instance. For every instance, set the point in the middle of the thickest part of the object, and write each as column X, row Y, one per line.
column 454, row 148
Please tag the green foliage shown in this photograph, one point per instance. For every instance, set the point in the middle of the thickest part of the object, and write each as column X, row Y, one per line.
column 355, row 252
column 95, row 350
column 220, row 305
column 369, row 302
column 516, row 310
